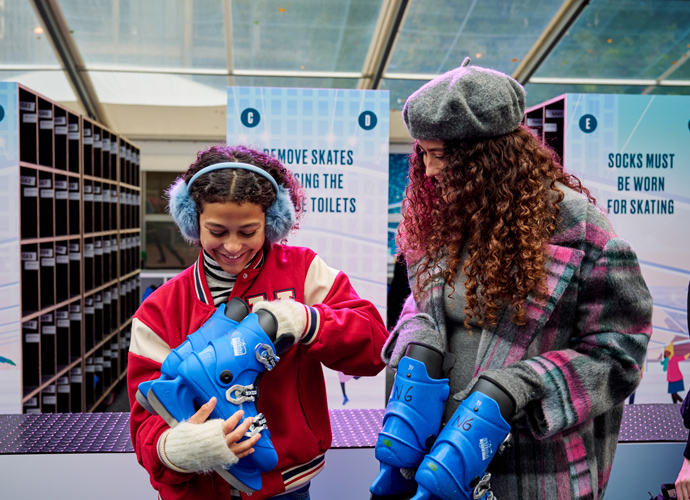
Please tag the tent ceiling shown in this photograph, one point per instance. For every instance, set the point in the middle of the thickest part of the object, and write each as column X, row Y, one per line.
column 103, row 56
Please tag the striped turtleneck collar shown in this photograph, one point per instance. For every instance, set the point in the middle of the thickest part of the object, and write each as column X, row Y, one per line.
column 221, row 283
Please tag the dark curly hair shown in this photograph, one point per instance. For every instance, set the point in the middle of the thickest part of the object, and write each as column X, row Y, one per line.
column 497, row 197
column 239, row 185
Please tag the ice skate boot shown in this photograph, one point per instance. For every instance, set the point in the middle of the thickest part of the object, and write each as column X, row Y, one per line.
column 229, row 369
column 224, row 320
column 412, row 419
column 456, row 466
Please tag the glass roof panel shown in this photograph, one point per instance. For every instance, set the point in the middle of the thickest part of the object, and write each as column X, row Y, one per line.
column 52, row 84
column 438, row 34
column 538, row 93
column 622, row 39
column 23, row 42
column 159, row 89
column 400, row 90
column 154, row 33
column 685, row 90
column 683, row 71
column 305, row 83
column 310, row 35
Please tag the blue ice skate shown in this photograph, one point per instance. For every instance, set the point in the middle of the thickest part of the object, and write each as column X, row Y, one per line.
column 411, row 422
column 229, row 369
column 456, row 466
column 224, row 320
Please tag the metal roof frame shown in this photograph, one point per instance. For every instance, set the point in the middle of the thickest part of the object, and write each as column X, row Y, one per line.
column 559, row 25
column 388, row 26
column 54, row 24
column 391, row 19
column 227, row 22
column 663, row 78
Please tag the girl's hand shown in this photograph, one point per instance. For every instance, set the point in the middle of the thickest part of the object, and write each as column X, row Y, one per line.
column 232, row 434
column 683, row 481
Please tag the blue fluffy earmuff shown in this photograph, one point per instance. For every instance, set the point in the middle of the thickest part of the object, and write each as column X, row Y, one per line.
column 280, row 216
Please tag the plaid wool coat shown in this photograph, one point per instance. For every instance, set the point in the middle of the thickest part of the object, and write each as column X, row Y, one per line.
column 570, row 367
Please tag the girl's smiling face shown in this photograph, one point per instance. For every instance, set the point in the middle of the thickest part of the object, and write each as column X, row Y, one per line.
column 232, row 233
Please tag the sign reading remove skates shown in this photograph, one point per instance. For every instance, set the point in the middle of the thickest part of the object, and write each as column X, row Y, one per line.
column 336, row 142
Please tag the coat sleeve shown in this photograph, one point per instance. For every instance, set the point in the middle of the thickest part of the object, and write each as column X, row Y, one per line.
column 348, row 331
column 685, row 411
column 147, row 353
column 411, row 326
column 560, row 389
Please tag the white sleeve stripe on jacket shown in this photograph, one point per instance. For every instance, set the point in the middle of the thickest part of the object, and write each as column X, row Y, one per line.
column 146, row 343
column 313, row 323
column 319, row 280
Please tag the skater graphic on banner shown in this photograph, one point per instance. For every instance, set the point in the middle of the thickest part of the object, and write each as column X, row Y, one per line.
column 673, row 373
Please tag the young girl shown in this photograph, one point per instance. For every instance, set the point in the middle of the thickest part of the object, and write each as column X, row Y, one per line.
column 515, row 270
column 239, row 205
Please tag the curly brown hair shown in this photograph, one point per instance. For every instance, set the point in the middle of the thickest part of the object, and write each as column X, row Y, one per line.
column 239, row 185
column 497, row 198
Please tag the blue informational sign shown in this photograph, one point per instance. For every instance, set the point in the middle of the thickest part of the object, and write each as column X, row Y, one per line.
column 337, row 142
column 9, row 132
column 633, row 151
column 10, row 326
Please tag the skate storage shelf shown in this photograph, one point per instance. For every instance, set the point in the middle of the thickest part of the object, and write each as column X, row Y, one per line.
column 546, row 121
column 69, row 253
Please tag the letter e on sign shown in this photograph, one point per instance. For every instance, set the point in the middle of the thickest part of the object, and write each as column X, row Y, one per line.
column 588, row 124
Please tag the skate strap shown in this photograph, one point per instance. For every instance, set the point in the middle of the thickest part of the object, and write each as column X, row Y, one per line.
column 238, row 394
column 266, row 356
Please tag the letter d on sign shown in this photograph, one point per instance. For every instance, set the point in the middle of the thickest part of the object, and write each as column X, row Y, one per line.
column 367, row 120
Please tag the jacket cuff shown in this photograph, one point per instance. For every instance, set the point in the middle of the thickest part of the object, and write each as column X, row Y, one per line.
column 196, row 447
column 156, row 443
column 520, row 381
column 686, row 453
column 160, row 448
column 418, row 328
column 312, row 326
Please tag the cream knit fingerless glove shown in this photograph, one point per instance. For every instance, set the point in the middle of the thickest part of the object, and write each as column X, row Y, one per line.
column 195, row 447
column 295, row 319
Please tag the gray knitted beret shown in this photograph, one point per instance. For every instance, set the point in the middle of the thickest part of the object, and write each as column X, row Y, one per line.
column 464, row 103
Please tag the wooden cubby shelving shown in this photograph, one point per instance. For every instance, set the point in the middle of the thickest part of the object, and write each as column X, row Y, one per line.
column 547, row 122
column 79, row 237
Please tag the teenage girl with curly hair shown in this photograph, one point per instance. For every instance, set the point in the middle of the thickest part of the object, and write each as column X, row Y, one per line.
column 516, row 272
column 499, row 198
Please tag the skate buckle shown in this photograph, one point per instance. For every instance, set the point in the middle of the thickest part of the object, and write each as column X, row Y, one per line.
column 238, row 394
column 266, row 356
column 505, row 444
column 483, row 488
column 258, row 425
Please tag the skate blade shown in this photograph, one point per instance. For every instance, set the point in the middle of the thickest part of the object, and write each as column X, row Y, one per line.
column 160, row 409
column 223, row 472
column 141, row 399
